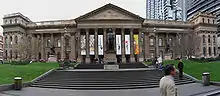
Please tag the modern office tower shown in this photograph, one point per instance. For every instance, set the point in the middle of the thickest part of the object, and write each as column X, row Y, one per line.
column 154, row 9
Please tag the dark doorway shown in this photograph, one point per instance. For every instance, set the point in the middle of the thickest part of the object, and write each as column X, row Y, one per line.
column 39, row 56
column 127, row 58
column 119, row 60
column 92, row 59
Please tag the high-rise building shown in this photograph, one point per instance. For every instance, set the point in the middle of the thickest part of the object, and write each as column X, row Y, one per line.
column 166, row 9
column 204, row 6
column 154, row 9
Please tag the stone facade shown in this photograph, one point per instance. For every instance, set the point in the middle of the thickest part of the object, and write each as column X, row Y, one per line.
column 93, row 35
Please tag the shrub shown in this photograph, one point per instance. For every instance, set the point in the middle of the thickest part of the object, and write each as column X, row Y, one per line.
column 20, row 62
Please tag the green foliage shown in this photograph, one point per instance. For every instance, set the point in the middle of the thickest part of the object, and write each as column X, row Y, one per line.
column 27, row 72
column 205, row 59
column 20, row 62
column 196, row 69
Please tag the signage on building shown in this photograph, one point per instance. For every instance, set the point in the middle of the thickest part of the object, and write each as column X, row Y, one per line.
column 118, row 44
column 100, row 45
column 127, row 45
column 92, row 44
column 136, row 44
column 83, row 44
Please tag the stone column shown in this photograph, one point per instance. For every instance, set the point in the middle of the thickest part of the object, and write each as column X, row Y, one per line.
column 38, row 47
column 13, row 46
column 123, row 45
column 114, row 39
column 146, row 46
column 79, row 57
column 42, row 46
column 96, row 43
column 207, row 45
column 87, row 46
column 140, row 39
column 104, row 42
column 52, row 39
column 156, row 44
column 62, row 47
column 33, row 47
column 73, row 47
column 132, row 59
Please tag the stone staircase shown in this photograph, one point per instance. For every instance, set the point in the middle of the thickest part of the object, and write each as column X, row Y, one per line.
column 101, row 66
column 105, row 80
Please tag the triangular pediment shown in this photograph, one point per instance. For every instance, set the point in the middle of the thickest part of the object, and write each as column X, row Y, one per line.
column 109, row 12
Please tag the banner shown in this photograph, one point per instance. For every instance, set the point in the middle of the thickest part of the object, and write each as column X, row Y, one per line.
column 118, row 44
column 127, row 45
column 100, row 45
column 83, row 44
column 136, row 45
column 92, row 44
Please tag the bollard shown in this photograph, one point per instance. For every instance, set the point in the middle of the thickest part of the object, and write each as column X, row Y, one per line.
column 17, row 83
column 206, row 79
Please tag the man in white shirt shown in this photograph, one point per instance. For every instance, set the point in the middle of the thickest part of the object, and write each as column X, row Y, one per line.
column 167, row 84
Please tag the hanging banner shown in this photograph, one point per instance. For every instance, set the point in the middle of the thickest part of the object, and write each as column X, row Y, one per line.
column 100, row 45
column 136, row 45
column 83, row 44
column 118, row 44
column 92, row 44
column 127, row 45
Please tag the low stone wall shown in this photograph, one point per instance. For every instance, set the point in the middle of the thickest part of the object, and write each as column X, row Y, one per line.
column 6, row 87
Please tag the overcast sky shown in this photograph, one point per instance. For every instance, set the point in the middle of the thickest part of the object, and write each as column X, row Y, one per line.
column 41, row 10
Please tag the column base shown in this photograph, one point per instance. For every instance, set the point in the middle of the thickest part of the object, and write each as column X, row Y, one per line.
column 141, row 59
column 79, row 60
column 123, row 60
column 132, row 59
column 88, row 60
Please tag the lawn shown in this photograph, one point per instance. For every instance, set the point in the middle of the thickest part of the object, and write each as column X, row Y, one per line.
column 196, row 69
column 27, row 72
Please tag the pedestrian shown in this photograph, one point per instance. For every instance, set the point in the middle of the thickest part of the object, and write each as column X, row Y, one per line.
column 180, row 68
column 167, row 84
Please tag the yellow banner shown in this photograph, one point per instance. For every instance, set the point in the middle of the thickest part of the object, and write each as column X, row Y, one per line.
column 136, row 45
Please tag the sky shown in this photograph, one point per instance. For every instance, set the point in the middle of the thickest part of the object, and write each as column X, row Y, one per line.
column 44, row 10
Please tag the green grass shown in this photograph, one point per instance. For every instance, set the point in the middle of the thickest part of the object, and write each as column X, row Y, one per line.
column 196, row 69
column 27, row 72
column 146, row 63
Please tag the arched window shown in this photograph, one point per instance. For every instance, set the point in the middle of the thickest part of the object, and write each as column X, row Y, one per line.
column 10, row 54
column 170, row 41
column 16, row 40
column 6, row 54
column 58, row 43
column 39, row 56
column 67, row 42
column 151, row 41
column 213, row 21
column 214, row 39
column 203, row 20
column 6, row 41
column 58, row 56
column 203, row 37
column 10, row 21
column 160, row 42
column 214, row 51
column 210, row 51
column 48, row 42
column 16, row 21
column 6, row 21
column 208, row 20
column 209, row 39
column 10, row 40
column 204, row 51
column 16, row 55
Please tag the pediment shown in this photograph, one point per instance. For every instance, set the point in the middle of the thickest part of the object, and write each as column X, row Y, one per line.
column 109, row 12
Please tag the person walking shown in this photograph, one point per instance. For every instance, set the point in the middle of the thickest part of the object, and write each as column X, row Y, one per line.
column 167, row 84
column 180, row 68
